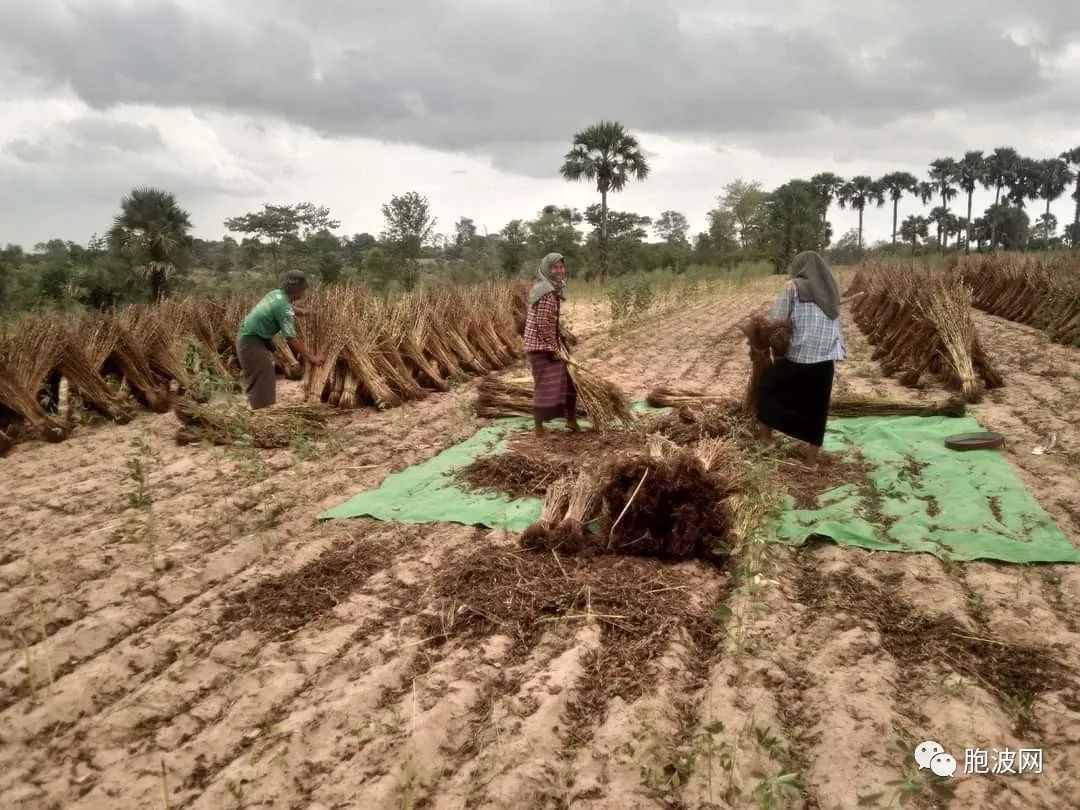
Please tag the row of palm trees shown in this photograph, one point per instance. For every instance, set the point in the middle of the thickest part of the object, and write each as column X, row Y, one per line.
column 1005, row 171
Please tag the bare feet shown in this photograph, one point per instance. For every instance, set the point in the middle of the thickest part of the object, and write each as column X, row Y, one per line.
column 538, row 429
column 573, row 426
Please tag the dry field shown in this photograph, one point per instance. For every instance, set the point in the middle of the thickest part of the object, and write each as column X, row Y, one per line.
column 181, row 633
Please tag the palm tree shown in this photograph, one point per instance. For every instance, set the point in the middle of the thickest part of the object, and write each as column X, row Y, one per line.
column 969, row 173
column 1053, row 178
column 1000, row 167
column 611, row 156
column 1072, row 157
column 858, row 192
column 826, row 188
column 897, row 184
column 153, row 228
column 1024, row 184
column 913, row 228
column 943, row 175
column 925, row 192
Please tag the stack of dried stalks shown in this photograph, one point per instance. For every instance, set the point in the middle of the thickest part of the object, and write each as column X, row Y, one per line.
column 412, row 312
column 25, row 369
column 277, row 426
column 920, row 322
column 570, row 535
column 841, row 405
column 327, row 329
column 393, row 329
column 497, row 397
column 156, row 331
column 664, row 397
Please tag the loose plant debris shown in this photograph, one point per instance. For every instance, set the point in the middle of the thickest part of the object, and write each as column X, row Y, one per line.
column 284, row 603
column 921, row 322
column 1017, row 674
column 276, row 426
column 806, row 482
column 687, row 425
column 517, row 474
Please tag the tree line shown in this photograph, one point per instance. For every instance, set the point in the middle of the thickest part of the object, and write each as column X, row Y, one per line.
column 148, row 252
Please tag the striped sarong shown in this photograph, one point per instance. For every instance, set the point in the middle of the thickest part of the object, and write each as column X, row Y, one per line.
column 554, row 395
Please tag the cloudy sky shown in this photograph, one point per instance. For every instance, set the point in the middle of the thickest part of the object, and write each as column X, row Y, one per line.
column 474, row 102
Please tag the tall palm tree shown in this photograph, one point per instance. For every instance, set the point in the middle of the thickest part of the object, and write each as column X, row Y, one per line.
column 1072, row 157
column 897, row 184
column 611, row 156
column 1053, row 178
column 858, row 192
column 1024, row 184
column 826, row 188
column 969, row 173
column 943, row 177
column 153, row 228
column 1000, row 168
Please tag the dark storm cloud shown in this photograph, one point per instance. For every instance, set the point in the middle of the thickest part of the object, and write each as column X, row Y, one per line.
column 501, row 77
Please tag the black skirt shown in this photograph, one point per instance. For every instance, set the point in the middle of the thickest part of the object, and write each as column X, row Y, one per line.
column 794, row 399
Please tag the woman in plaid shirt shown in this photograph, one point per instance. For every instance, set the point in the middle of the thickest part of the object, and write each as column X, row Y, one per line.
column 794, row 394
column 554, row 395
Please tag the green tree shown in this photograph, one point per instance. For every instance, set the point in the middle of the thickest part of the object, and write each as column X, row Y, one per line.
column 858, row 193
column 152, row 229
column 723, row 236
column 550, row 232
column 607, row 154
column 897, row 184
column 1072, row 158
column 791, row 222
column 672, row 227
column 1054, row 178
column 913, row 229
column 464, row 237
column 1024, row 184
column 827, row 188
column 1009, row 225
column 745, row 201
column 282, row 225
column 626, row 235
column 970, row 171
column 1000, row 168
column 409, row 224
column 513, row 246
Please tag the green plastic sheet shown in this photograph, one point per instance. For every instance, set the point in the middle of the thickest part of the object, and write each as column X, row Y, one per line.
column 957, row 505
column 428, row 492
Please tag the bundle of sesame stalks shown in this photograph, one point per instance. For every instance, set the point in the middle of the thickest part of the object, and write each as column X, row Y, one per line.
column 769, row 340
column 883, row 406
column 277, row 426
column 28, row 358
column 569, row 536
column 556, row 499
column 948, row 307
column 663, row 397
column 605, row 405
column 497, row 397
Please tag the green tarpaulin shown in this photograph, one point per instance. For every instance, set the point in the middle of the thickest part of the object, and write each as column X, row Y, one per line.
column 957, row 505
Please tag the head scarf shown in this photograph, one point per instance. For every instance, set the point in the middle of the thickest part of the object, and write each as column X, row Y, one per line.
column 814, row 282
column 547, row 283
column 294, row 281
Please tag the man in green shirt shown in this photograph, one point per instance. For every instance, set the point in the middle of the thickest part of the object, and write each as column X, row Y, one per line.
column 274, row 314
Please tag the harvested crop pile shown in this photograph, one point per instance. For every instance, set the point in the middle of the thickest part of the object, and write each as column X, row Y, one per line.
column 921, row 322
column 24, row 369
column 668, row 504
column 271, row 427
column 805, row 483
column 517, row 474
column 497, row 397
column 768, row 340
column 663, row 397
column 690, row 424
column 569, row 535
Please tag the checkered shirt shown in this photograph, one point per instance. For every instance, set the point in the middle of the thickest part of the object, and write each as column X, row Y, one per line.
column 815, row 337
column 542, row 325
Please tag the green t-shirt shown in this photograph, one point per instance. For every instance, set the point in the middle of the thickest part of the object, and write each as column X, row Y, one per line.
column 273, row 314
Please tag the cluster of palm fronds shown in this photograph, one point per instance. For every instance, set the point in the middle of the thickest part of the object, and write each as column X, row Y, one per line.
column 920, row 322
column 378, row 352
column 1042, row 291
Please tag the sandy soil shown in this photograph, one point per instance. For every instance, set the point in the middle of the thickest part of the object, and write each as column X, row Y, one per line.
column 214, row 647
